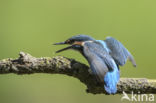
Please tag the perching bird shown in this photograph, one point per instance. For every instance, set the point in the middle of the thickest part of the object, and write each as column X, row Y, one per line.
column 103, row 56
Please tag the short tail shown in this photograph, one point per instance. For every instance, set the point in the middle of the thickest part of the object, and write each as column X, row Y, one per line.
column 111, row 79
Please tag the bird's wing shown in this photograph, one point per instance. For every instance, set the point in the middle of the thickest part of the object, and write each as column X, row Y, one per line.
column 100, row 61
column 119, row 53
column 99, row 68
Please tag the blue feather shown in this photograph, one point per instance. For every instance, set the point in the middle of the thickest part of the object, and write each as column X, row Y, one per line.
column 111, row 79
column 104, row 45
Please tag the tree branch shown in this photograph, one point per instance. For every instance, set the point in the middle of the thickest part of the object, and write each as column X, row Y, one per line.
column 27, row 64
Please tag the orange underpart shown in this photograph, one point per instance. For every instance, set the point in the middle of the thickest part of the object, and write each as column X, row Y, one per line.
column 78, row 43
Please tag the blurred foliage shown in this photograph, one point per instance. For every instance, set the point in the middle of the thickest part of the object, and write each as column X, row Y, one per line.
column 33, row 25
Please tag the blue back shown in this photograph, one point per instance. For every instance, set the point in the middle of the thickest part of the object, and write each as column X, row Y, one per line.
column 112, row 77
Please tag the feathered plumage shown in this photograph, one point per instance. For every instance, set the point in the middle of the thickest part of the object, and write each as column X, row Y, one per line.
column 103, row 56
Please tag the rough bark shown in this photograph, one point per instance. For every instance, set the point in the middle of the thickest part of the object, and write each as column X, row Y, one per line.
column 27, row 64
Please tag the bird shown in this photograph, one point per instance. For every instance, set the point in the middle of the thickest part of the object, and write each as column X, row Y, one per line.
column 103, row 56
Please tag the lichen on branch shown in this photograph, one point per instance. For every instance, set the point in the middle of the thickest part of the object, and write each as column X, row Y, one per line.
column 27, row 64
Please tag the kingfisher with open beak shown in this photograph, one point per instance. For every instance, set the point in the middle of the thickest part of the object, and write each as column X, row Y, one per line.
column 103, row 56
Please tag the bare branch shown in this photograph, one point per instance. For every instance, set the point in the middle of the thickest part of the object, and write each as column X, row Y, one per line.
column 27, row 64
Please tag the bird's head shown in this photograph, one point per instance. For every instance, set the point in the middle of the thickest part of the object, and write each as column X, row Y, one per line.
column 75, row 42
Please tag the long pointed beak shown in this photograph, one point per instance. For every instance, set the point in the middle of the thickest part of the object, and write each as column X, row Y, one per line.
column 73, row 46
column 60, row 43
column 69, row 47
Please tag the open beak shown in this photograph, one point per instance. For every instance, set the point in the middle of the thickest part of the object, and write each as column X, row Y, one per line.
column 73, row 46
column 69, row 47
column 61, row 43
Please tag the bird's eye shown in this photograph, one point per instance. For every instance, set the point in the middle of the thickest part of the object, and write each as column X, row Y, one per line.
column 69, row 42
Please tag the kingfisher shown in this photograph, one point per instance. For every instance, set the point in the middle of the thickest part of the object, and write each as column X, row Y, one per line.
column 103, row 56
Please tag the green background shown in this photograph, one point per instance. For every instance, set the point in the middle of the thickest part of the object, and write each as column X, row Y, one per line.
column 33, row 25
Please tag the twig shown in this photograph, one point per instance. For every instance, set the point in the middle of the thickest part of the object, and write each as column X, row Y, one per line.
column 27, row 64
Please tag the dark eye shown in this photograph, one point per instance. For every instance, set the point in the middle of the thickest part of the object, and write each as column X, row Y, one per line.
column 69, row 41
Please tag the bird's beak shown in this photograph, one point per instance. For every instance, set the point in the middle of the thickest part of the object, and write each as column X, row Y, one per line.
column 69, row 47
column 60, row 43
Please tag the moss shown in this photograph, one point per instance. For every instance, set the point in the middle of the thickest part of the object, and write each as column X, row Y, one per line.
column 153, row 82
column 7, row 60
column 42, row 63
column 27, row 64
